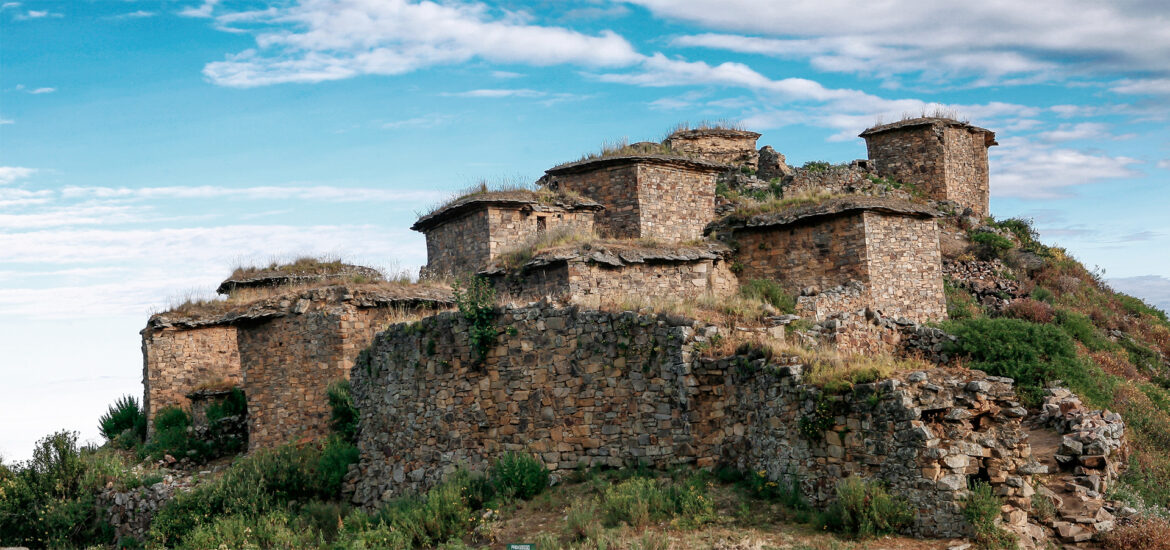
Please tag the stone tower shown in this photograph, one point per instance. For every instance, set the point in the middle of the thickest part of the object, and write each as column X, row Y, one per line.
column 945, row 157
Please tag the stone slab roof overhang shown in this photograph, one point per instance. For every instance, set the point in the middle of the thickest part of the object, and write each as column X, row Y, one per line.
column 720, row 132
column 536, row 200
column 988, row 135
column 831, row 208
column 590, row 165
column 278, row 277
column 297, row 302
column 616, row 255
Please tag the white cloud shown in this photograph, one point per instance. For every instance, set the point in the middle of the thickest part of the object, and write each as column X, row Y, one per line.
column 498, row 92
column 202, row 10
column 1072, row 132
column 1164, row 164
column 160, row 263
column 9, row 174
column 428, row 121
column 990, row 40
column 506, row 74
column 1034, row 170
column 1154, row 289
column 37, row 91
column 269, row 192
column 1147, row 86
column 9, row 5
column 4, row 121
column 37, row 14
column 319, row 40
column 140, row 14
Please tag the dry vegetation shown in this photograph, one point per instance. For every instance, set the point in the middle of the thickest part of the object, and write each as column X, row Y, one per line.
column 504, row 188
column 748, row 206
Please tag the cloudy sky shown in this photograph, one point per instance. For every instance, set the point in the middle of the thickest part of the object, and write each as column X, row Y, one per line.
column 147, row 147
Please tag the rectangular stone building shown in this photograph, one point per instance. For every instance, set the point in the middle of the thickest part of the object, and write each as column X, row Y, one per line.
column 889, row 246
column 466, row 235
column 725, row 146
column 947, row 158
column 282, row 351
column 607, row 274
column 658, row 197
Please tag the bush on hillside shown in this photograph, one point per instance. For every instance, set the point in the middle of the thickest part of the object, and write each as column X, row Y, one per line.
column 981, row 509
column 519, row 475
column 343, row 413
column 1030, row 353
column 123, row 415
column 865, row 509
column 1147, row 533
column 171, row 437
column 769, row 292
column 989, row 246
column 48, row 501
column 638, row 501
column 1030, row 310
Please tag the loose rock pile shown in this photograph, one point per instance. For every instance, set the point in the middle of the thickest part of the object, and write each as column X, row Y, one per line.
column 985, row 280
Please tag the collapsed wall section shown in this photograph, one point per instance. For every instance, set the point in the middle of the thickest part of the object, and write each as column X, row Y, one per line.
column 577, row 387
column 177, row 360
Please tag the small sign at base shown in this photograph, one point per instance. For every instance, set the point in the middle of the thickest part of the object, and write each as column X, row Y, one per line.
column 522, row 546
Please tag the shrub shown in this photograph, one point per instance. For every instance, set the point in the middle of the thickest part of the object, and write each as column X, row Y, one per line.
column 519, row 475
column 437, row 517
column 960, row 303
column 48, row 501
column 769, row 292
column 760, row 486
column 1136, row 306
column 336, row 457
column 123, row 415
column 1147, row 533
column 271, row 530
column 1081, row 328
column 981, row 509
column 171, row 437
column 477, row 304
column 864, row 509
column 255, row 485
column 235, row 404
column 1030, row 310
column 989, row 246
column 816, row 166
column 640, row 500
column 1043, row 294
column 343, row 413
column 1028, row 352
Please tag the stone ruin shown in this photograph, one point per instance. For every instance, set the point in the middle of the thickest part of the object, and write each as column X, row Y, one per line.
column 579, row 385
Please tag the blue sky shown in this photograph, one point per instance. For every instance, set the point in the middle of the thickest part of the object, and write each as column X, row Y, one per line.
column 147, row 147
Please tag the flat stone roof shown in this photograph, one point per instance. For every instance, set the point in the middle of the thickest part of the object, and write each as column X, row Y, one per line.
column 589, row 165
column 539, row 200
column 619, row 253
column 219, row 313
column 829, row 208
column 722, row 132
column 290, row 276
column 989, row 136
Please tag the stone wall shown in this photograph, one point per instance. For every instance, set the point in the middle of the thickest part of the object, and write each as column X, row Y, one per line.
column 730, row 147
column 821, row 253
column 894, row 255
column 511, row 227
column 290, row 361
column 905, row 267
column 675, row 203
column 840, row 179
column 589, row 284
column 177, row 360
column 458, row 246
column 578, row 387
column 662, row 198
column 966, row 169
column 615, row 187
column 945, row 158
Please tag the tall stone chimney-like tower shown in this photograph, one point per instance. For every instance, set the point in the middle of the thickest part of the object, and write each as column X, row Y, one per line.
column 945, row 157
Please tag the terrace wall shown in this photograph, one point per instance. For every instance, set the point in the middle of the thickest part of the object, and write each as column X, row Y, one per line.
column 582, row 388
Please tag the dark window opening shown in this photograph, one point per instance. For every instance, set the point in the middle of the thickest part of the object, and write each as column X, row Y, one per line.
column 541, row 224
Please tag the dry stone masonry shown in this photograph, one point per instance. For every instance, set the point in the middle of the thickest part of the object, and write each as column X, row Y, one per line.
column 580, row 387
column 719, row 145
column 945, row 157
